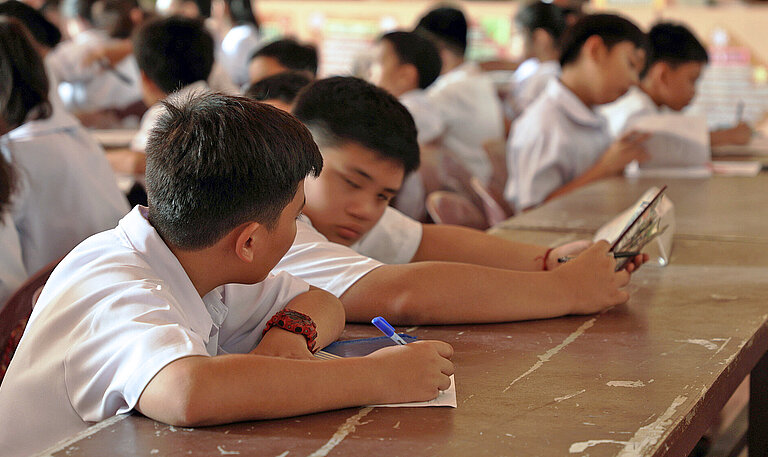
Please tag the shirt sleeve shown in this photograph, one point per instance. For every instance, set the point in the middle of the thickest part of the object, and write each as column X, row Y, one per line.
column 251, row 306
column 538, row 169
column 322, row 263
column 393, row 240
column 113, row 359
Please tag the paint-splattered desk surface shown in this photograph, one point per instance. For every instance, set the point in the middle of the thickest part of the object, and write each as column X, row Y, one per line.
column 719, row 208
column 642, row 379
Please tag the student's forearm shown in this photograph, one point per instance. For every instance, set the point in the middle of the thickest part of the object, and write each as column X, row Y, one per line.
column 450, row 243
column 197, row 391
column 448, row 293
column 326, row 312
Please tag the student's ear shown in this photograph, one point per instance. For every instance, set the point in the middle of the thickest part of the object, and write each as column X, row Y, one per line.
column 594, row 48
column 249, row 241
column 409, row 75
column 151, row 93
column 662, row 72
column 542, row 38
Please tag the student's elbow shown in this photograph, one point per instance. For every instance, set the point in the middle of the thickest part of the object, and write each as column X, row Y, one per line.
column 175, row 396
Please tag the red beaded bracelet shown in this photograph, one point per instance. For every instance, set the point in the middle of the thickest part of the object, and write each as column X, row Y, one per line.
column 295, row 322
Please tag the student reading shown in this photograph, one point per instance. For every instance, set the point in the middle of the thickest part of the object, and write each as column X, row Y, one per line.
column 560, row 143
column 141, row 316
column 423, row 274
column 675, row 61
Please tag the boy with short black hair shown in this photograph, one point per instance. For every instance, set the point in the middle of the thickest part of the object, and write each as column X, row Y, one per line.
column 541, row 25
column 283, row 55
column 422, row 274
column 675, row 61
column 147, row 316
column 278, row 90
column 560, row 142
column 465, row 98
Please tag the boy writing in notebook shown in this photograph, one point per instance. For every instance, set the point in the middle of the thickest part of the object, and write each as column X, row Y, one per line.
column 560, row 142
column 145, row 316
column 674, row 64
column 380, row 262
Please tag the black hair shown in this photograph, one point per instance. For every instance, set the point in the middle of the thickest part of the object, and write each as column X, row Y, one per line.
column 673, row 44
column 174, row 52
column 539, row 15
column 82, row 9
column 41, row 29
column 241, row 13
column 215, row 162
column 291, row 54
column 282, row 86
column 114, row 16
column 203, row 6
column 412, row 48
column 7, row 181
column 344, row 109
column 23, row 82
column 446, row 26
column 611, row 28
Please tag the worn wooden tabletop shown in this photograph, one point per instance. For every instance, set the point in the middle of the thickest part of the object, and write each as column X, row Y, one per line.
column 642, row 379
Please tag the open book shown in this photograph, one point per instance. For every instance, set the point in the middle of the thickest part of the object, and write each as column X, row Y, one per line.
column 634, row 228
column 365, row 346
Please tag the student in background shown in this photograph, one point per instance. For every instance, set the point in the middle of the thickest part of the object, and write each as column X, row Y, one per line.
column 236, row 30
column 283, row 55
column 674, row 64
column 380, row 262
column 141, row 316
column 405, row 65
column 12, row 271
column 87, row 85
column 175, row 55
column 66, row 190
column 465, row 98
column 560, row 143
column 541, row 25
column 279, row 90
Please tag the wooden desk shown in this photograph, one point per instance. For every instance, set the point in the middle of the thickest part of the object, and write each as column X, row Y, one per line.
column 717, row 208
column 642, row 379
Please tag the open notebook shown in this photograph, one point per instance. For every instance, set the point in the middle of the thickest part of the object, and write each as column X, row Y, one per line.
column 365, row 346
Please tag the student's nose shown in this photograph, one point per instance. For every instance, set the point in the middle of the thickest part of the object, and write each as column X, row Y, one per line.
column 362, row 208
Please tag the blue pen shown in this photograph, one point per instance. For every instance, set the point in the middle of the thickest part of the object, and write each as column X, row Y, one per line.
column 387, row 329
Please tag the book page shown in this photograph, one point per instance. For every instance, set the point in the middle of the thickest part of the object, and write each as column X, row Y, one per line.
column 677, row 140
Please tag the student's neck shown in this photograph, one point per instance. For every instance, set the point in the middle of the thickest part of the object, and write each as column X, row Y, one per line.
column 578, row 83
column 450, row 62
column 205, row 276
column 651, row 89
column 548, row 55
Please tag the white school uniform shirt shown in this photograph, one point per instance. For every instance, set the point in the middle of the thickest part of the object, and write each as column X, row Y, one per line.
column 90, row 88
column 633, row 104
column 116, row 310
column 556, row 139
column 139, row 140
column 12, row 271
column 525, row 89
column 235, row 51
column 67, row 189
column 472, row 113
column 334, row 267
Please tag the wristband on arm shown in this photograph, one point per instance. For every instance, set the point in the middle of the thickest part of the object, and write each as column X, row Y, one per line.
column 294, row 322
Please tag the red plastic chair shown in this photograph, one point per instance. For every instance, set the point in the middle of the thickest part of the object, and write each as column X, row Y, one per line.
column 16, row 312
column 451, row 208
column 495, row 208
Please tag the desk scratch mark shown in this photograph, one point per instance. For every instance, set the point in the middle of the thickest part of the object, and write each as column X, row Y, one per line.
column 637, row 383
column 87, row 433
column 348, row 427
column 226, row 452
column 722, row 346
column 566, row 397
column 583, row 445
column 650, row 434
column 284, row 454
column 552, row 352
column 706, row 343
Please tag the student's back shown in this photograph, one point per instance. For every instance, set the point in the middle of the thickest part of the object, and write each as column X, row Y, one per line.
column 67, row 190
column 464, row 96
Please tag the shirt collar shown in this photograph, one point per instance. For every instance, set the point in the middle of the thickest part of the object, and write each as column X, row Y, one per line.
column 58, row 121
column 153, row 250
column 572, row 105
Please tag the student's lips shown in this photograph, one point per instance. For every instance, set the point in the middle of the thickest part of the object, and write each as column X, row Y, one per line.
column 347, row 232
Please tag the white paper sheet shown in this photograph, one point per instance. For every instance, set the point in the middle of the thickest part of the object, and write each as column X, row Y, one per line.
column 677, row 140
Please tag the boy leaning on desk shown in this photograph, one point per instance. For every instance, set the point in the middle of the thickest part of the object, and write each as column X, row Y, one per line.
column 139, row 317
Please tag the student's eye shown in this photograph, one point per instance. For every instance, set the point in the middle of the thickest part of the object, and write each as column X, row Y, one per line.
column 351, row 183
